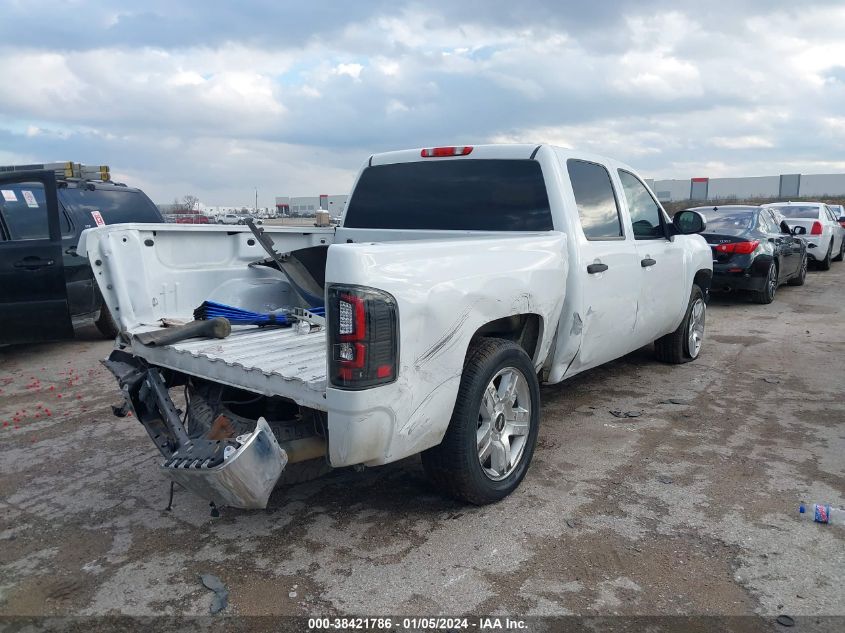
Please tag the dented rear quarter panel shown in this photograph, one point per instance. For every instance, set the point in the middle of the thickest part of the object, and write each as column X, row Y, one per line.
column 445, row 291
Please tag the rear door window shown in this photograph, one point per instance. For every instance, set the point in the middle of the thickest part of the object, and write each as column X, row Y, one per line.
column 646, row 214
column 460, row 194
column 763, row 224
column 24, row 210
column 772, row 225
column 596, row 201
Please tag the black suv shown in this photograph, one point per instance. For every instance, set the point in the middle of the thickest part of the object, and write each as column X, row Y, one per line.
column 46, row 288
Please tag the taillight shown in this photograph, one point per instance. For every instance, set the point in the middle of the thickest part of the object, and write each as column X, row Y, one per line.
column 842, row 224
column 739, row 248
column 817, row 228
column 439, row 152
column 363, row 337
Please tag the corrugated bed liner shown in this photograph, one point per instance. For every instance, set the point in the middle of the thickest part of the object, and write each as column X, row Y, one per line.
column 271, row 361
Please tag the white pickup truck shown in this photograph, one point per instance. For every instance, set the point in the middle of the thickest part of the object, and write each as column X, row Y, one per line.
column 457, row 281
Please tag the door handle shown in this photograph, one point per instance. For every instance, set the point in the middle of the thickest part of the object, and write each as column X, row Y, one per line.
column 648, row 261
column 71, row 250
column 596, row 268
column 33, row 264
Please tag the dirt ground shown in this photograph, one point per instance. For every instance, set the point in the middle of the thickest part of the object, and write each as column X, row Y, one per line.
column 689, row 508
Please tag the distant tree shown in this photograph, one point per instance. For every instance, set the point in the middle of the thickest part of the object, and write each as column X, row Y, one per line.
column 190, row 202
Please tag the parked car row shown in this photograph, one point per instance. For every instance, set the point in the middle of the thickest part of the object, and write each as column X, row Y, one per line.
column 187, row 218
column 759, row 248
column 237, row 218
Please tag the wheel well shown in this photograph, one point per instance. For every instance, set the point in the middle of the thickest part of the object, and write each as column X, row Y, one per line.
column 702, row 279
column 523, row 329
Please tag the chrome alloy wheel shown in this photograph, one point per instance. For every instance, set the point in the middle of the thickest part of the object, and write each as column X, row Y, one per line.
column 695, row 333
column 503, row 423
column 772, row 281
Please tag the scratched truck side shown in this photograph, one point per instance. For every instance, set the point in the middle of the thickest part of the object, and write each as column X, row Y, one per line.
column 459, row 279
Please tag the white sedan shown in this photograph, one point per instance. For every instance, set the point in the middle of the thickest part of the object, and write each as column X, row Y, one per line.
column 229, row 218
column 825, row 237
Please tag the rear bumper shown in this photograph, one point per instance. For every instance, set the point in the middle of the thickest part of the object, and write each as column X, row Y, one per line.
column 814, row 248
column 246, row 477
column 234, row 471
column 744, row 279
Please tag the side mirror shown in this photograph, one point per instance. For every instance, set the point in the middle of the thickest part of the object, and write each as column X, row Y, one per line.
column 689, row 222
column 799, row 230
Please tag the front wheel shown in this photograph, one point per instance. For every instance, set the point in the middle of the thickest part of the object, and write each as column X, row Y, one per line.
column 799, row 279
column 491, row 437
column 841, row 254
column 825, row 263
column 767, row 294
column 684, row 344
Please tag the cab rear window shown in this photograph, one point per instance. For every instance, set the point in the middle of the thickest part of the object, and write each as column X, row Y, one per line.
column 461, row 195
column 794, row 211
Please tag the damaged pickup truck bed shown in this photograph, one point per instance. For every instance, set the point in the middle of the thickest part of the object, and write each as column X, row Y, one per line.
column 458, row 280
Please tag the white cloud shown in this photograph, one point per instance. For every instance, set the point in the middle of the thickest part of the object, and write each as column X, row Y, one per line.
column 350, row 70
column 741, row 142
column 395, row 106
column 173, row 94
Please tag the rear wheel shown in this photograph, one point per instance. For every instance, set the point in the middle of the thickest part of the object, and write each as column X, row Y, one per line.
column 106, row 323
column 491, row 437
column 684, row 344
column 799, row 279
column 825, row 263
column 767, row 294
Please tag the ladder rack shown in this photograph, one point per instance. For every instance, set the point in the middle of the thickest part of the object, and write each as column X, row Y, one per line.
column 64, row 170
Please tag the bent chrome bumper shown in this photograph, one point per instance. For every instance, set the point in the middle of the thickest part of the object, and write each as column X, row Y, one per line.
column 240, row 472
column 246, row 477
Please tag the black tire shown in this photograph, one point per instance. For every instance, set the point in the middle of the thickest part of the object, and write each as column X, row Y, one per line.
column 106, row 324
column 825, row 263
column 455, row 465
column 841, row 255
column 674, row 348
column 767, row 294
column 801, row 277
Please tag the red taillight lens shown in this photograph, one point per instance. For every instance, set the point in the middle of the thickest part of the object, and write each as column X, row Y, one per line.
column 363, row 337
column 739, row 248
column 817, row 228
column 439, row 152
column 842, row 224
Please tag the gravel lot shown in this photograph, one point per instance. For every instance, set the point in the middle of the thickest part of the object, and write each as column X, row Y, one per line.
column 689, row 508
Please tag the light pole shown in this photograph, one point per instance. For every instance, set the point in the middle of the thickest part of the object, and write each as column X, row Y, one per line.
column 256, row 200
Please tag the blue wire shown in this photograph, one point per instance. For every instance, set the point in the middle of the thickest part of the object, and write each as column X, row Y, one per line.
column 238, row 316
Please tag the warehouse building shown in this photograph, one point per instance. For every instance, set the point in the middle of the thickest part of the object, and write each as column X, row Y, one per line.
column 308, row 205
column 782, row 186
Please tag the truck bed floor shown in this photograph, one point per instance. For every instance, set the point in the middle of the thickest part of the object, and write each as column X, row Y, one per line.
column 270, row 361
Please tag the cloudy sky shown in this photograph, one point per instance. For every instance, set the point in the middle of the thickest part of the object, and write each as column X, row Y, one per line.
column 217, row 98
